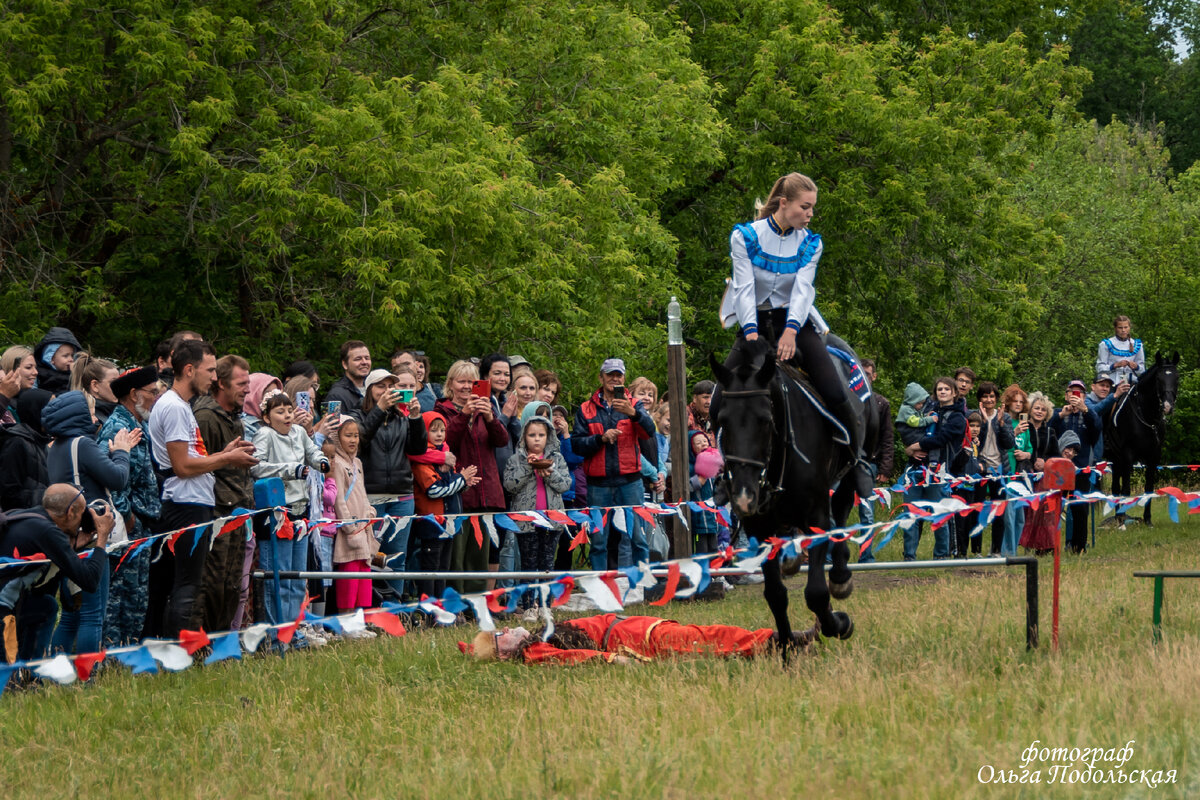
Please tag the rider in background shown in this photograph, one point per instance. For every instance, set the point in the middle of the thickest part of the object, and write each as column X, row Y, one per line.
column 772, row 290
column 1121, row 356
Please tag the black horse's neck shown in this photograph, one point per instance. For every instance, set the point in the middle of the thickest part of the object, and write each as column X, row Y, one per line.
column 1146, row 394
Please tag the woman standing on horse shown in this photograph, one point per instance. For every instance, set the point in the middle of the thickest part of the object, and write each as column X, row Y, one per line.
column 772, row 289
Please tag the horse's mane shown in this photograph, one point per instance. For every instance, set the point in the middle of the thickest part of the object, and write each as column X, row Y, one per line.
column 746, row 357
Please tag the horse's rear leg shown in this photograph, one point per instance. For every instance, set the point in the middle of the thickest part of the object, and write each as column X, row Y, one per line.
column 841, row 579
column 816, row 595
column 777, row 600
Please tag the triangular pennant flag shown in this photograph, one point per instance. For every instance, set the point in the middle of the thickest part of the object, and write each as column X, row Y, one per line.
column 580, row 538
column 493, row 601
column 491, row 527
column 199, row 535
column 85, row 662
column 505, row 521
column 172, row 657
column 193, row 640
column 58, row 669
column 482, row 615
column 452, row 601
column 599, row 593
column 672, row 585
column 252, row 637
column 225, row 646
column 705, row 578
column 478, row 532
column 385, row 621
column 610, row 581
column 691, row 569
column 284, row 633
column 139, row 660
column 353, row 623
column 561, row 590
column 514, row 597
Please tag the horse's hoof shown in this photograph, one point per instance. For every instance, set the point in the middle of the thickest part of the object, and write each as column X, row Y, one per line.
column 845, row 623
column 841, row 590
column 790, row 566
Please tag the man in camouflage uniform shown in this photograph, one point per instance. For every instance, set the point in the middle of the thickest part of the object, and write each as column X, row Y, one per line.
column 128, row 593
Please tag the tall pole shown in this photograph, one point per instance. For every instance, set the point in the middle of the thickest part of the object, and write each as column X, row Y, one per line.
column 677, row 394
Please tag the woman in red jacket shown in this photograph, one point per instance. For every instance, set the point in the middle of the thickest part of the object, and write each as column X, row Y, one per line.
column 473, row 433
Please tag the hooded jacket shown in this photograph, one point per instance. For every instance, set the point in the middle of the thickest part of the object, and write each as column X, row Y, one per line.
column 520, row 479
column 49, row 378
column 66, row 418
column 354, row 542
column 435, row 492
column 252, row 405
column 23, row 477
column 910, row 422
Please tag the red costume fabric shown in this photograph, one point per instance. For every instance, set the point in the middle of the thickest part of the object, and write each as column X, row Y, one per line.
column 649, row 637
column 1041, row 525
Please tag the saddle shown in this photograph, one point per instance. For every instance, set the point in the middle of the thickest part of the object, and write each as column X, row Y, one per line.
column 795, row 379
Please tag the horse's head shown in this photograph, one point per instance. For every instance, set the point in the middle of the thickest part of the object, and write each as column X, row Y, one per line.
column 745, row 423
column 1166, row 380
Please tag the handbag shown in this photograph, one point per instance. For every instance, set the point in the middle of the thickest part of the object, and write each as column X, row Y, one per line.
column 119, row 533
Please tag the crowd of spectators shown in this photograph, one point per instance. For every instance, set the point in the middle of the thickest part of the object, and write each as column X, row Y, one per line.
column 195, row 437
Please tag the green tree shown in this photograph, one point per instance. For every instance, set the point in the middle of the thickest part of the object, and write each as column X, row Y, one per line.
column 911, row 149
column 254, row 172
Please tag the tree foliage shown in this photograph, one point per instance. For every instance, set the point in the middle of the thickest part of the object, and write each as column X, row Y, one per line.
column 541, row 177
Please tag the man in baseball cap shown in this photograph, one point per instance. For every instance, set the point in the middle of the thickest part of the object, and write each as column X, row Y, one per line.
column 612, row 433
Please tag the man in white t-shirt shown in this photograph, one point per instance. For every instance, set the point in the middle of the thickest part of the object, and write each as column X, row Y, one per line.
column 187, row 467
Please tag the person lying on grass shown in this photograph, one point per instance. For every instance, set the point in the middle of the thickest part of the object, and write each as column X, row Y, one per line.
column 622, row 640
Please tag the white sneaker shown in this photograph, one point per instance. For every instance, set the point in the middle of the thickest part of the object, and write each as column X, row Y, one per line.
column 531, row 615
column 363, row 634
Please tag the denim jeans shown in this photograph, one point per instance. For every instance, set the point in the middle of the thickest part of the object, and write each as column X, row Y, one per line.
column 866, row 516
column 1014, row 521
column 82, row 631
column 510, row 557
column 35, row 625
column 396, row 542
column 629, row 494
column 941, row 536
column 283, row 554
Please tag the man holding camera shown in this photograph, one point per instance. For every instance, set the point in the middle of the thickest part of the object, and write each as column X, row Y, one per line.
column 60, row 529
column 608, row 429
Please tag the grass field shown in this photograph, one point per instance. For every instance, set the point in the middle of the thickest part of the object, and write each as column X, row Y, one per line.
column 935, row 684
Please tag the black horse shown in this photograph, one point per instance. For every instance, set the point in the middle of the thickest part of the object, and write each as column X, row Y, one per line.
column 780, row 463
column 1134, row 429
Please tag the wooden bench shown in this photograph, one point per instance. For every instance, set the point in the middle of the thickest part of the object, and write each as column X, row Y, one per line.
column 1158, row 593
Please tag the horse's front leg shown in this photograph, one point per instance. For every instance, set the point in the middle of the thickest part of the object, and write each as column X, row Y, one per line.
column 1151, row 483
column 777, row 600
column 816, row 595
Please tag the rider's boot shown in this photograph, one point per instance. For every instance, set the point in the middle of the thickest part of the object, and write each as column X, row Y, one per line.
column 845, row 411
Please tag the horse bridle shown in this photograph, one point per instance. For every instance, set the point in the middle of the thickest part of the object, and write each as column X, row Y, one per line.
column 762, row 466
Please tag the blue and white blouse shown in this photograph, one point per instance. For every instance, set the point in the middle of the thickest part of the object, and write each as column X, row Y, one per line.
column 772, row 269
